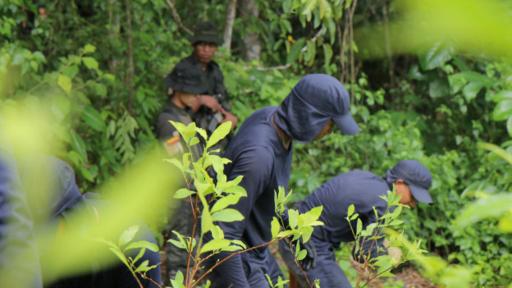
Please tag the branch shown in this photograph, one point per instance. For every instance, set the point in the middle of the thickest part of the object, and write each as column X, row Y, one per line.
column 231, row 256
column 177, row 17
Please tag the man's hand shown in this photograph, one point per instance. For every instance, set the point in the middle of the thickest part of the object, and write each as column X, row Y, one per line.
column 228, row 116
column 210, row 102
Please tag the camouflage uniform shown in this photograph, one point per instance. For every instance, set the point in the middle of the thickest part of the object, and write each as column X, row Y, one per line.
column 181, row 218
column 210, row 81
column 189, row 76
column 167, row 134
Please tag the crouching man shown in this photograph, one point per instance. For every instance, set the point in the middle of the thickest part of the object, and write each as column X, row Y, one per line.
column 363, row 189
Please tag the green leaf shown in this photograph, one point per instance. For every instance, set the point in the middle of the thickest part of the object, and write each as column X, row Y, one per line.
column 471, row 90
column 183, row 193
column 194, row 141
column 327, row 53
column 275, row 227
column 351, row 209
column 78, row 145
column 301, row 255
column 438, row 88
column 93, row 118
column 309, row 57
column 139, row 255
column 120, row 255
column 217, row 233
column 502, row 95
column 142, row 244
column 128, row 235
column 206, row 221
column 485, row 208
column 306, row 233
column 65, row 83
column 90, row 63
column 227, row 215
column 225, row 202
column 88, row 48
column 215, row 244
column 496, row 150
column 220, row 133
column 202, row 132
column 315, row 213
column 436, row 57
column 144, row 267
column 359, row 226
column 294, row 53
column 503, row 110
column 293, row 216
column 177, row 282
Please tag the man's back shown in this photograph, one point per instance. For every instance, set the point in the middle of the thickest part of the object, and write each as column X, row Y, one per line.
column 257, row 154
column 358, row 187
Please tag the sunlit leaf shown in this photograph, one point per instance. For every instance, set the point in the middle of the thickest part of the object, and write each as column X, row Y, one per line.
column 227, row 215
column 65, row 83
column 220, row 133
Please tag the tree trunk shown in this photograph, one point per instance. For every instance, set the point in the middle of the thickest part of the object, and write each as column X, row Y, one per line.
column 230, row 20
column 130, row 71
column 249, row 10
column 113, row 33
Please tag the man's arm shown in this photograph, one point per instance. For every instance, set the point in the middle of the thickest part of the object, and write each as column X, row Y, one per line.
column 256, row 167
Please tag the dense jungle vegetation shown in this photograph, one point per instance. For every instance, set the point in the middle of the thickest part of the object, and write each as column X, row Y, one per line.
column 441, row 100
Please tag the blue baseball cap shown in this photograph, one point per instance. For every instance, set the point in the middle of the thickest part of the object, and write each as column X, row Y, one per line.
column 416, row 176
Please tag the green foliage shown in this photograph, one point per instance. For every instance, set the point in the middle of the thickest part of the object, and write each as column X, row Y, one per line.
column 372, row 233
column 123, row 251
column 216, row 196
column 434, row 107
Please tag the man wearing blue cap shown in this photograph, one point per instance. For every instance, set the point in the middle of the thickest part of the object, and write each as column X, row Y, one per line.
column 262, row 153
column 363, row 189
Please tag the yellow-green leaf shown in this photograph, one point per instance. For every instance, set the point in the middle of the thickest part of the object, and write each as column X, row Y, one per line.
column 65, row 83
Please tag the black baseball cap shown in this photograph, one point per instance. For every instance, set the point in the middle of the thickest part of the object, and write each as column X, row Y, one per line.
column 183, row 79
column 416, row 176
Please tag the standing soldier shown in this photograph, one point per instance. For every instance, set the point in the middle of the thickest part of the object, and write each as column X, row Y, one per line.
column 206, row 74
column 183, row 104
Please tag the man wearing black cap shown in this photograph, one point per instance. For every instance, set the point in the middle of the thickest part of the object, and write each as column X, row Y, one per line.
column 261, row 152
column 363, row 189
column 209, row 80
column 181, row 107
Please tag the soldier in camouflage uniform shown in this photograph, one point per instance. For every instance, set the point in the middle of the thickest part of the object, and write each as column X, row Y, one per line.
column 201, row 68
column 183, row 104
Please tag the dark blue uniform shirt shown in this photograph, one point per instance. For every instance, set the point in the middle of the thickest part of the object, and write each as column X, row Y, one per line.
column 361, row 188
column 257, row 154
